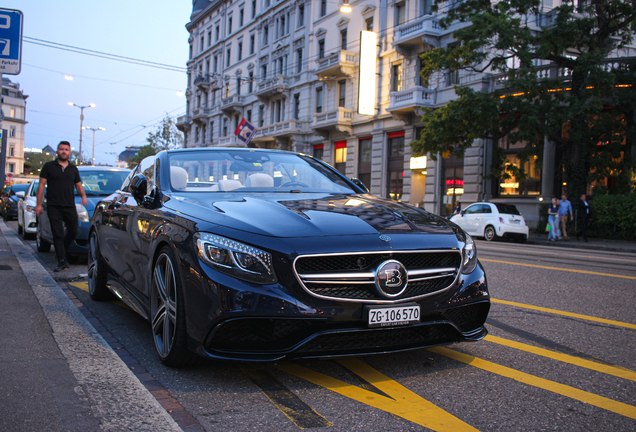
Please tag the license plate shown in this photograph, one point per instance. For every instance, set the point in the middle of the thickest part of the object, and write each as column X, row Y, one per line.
column 391, row 316
column 515, row 221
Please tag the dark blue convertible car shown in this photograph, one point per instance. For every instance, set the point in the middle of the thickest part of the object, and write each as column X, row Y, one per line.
column 257, row 254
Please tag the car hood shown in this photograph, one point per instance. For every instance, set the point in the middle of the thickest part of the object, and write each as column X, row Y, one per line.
column 307, row 215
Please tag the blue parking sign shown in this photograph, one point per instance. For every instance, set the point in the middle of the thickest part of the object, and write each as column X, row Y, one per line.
column 10, row 41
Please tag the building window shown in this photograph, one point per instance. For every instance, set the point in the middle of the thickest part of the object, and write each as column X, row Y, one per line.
column 209, row 37
column 395, row 174
column 369, row 24
column 229, row 25
column 323, row 8
column 319, row 151
column 301, row 16
column 319, row 100
column 340, row 159
column 213, row 101
column 321, row 48
column 297, row 106
column 241, row 13
column 282, row 26
column 265, row 35
column 11, row 151
column 364, row 161
column 420, row 65
column 425, row 7
column 264, row 72
column 216, row 33
column 240, row 51
column 211, row 131
column 251, row 44
column 250, row 83
column 198, row 101
column 229, row 52
column 11, row 168
column 238, row 85
column 396, row 78
column 342, row 91
column 196, row 134
column 202, row 44
column 280, row 65
column 12, row 131
column 400, row 14
column 299, row 60
column 531, row 185
column 278, row 111
column 249, row 116
column 190, row 51
column 452, row 77
column 253, row 8
column 343, row 40
column 236, row 121
column 224, row 126
column 215, row 64
column 227, row 90
column 207, row 66
column 261, row 115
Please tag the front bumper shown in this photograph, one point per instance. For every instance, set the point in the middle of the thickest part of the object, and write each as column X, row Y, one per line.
column 236, row 320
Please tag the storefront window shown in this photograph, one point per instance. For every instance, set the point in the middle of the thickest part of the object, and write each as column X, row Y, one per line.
column 364, row 161
column 341, row 156
column 395, row 164
column 513, row 186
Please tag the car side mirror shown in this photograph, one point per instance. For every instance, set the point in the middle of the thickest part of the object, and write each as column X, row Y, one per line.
column 462, row 212
column 139, row 188
column 19, row 194
column 361, row 185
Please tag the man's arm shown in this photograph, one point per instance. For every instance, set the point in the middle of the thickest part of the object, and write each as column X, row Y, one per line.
column 40, row 196
column 80, row 190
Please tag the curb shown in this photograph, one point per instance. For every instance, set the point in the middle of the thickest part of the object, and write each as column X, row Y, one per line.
column 117, row 398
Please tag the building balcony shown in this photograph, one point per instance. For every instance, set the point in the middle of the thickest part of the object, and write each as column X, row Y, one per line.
column 272, row 87
column 230, row 141
column 183, row 123
column 416, row 31
column 201, row 114
column 338, row 64
column 284, row 128
column 232, row 103
column 410, row 100
column 339, row 119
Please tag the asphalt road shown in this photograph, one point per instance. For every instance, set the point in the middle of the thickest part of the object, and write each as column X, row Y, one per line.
column 560, row 356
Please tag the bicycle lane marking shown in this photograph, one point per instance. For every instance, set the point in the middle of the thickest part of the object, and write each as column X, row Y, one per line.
column 542, row 383
column 569, row 314
column 616, row 371
column 402, row 403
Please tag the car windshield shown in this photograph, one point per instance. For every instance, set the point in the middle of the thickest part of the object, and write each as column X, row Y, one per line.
column 102, row 182
column 19, row 188
column 251, row 171
column 507, row 209
column 34, row 189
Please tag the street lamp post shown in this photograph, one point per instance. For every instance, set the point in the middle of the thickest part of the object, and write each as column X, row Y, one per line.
column 94, row 130
column 79, row 159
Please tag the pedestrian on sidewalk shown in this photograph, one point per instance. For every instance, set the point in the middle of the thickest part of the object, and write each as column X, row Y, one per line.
column 553, row 219
column 62, row 176
column 583, row 217
column 565, row 209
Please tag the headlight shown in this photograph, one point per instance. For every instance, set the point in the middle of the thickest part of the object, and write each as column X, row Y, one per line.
column 29, row 209
column 469, row 255
column 236, row 259
column 82, row 213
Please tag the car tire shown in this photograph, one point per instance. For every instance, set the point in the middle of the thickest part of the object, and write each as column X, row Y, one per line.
column 41, row 244
column 97, row 272
column 489, row 233
column 167, row 312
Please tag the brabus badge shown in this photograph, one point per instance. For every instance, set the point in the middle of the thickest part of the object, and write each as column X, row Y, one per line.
column 385, row 238
column 391, row 279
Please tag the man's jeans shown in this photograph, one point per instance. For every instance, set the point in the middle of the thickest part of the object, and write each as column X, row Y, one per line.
column 58, row 216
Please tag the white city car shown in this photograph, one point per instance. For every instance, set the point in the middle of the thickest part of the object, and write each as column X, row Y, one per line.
column 27, row 221
column 492, row 220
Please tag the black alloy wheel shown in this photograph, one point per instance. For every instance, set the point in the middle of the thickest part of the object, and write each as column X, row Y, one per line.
column 167, row 312
column 97, row 272
column 489, row 233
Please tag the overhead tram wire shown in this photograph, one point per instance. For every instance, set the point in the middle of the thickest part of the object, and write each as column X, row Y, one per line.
column 78, row 50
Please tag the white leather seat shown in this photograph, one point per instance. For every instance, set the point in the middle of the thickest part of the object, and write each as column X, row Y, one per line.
column 228, row 185
column 260, row 180
column 178, row 178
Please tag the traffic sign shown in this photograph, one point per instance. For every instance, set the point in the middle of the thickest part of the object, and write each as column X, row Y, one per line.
column 10, row 41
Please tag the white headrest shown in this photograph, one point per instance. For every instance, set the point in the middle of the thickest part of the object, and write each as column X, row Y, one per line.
column 178, row 178
column 259, row 180
column 228, row 185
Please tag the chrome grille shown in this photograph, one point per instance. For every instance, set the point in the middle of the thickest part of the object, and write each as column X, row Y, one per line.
column 350, row 277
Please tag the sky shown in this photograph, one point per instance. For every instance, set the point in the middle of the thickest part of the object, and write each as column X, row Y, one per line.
column 130, row 100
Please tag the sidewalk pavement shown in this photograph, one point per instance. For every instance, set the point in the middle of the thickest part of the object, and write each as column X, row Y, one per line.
column 56, row 372
column 592, row 243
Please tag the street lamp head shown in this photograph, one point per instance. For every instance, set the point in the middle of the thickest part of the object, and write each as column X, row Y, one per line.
column 101, row 128
column 86, row 127
column 92, row 105
column 71, row 104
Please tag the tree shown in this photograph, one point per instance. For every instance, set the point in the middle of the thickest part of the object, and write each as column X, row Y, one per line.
column 33, row 162
column 165, row 137
column 557, row 85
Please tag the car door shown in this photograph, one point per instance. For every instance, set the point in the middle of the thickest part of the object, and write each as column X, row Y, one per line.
column 486, row 217
column 470, row 218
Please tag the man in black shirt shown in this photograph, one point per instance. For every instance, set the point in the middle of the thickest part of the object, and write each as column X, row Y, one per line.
column 62, row 176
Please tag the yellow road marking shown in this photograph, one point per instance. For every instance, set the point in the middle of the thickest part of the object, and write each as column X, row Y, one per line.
column 569, row 314
column 84, row 287
column 559, row 268
column 558, row 388
column 566, row 358
column 543, row 253
column 404, row 403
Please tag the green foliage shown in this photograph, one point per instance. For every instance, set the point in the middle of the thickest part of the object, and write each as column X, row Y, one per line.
column 614, row 216
column 33, row 162
column 531, row 105
column 165, row 137
column 144, row 152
